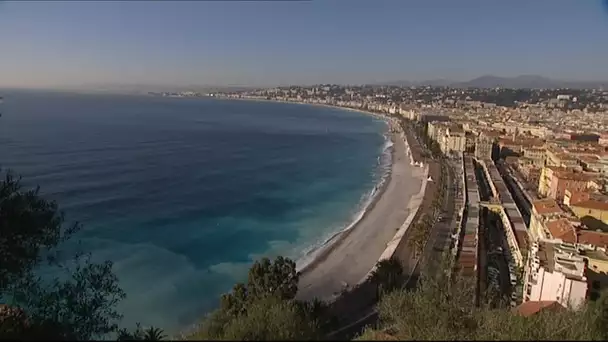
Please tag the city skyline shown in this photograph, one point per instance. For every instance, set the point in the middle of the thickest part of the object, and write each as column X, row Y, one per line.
column 55, row 45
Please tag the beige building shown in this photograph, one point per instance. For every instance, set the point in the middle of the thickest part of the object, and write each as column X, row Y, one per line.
column 590, row 208
column 554, row 181
column 454, row 140
column 436, row 130
column 543, row 211
column 536, row 155
column 561, row 159
column 483, row 146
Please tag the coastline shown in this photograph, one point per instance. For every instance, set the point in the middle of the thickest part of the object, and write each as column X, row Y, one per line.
column 348, row 257
column 363, row 111
column 320, row 253
column 352, row 254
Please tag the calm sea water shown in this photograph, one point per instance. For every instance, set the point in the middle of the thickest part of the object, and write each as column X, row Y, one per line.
column 184, row 194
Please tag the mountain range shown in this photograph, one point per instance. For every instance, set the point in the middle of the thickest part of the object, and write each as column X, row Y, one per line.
column 490, row 81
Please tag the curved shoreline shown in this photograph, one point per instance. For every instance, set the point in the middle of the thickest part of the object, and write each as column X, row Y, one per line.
column 354, row 253
column 348, row 256
column 320, row 250
column 320, row 253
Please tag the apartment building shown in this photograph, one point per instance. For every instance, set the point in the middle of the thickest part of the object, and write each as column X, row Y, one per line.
column 591, row 163
column 436, row 130
column 593, row 211
column 509, row 147
column 555, row 271
column 536, row 155
column 483, row 146
column 454, row 140
column 596, row 271
column 592, row 239
column 554, row 181
column 561, row 159
column 470, row 138
column 543, row 211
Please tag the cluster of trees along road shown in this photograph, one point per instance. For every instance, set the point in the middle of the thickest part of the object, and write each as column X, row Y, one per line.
column 421, row 229
column 83, row 305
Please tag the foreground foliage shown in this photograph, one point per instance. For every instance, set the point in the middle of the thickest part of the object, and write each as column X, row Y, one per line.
column 141, row 334
column 265, row 308
column 443, row 310
column 388, row 275
column 79, row 304
column 268, row 318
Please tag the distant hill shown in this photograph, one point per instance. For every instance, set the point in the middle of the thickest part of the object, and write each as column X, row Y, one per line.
column 434, row 83
column 522, row 81
column 526, row 81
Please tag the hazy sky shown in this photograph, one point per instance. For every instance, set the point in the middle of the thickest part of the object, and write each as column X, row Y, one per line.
column 45, row 44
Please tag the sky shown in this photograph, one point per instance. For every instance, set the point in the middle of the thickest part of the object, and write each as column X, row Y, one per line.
column 263, row 43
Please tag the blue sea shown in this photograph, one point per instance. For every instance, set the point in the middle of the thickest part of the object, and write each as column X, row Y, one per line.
column 184, row 194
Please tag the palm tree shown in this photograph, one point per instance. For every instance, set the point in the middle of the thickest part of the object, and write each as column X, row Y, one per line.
column 154, row 334
column 149, row 334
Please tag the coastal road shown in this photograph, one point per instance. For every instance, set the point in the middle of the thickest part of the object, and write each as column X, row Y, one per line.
column 441, row 233
column 356, row 252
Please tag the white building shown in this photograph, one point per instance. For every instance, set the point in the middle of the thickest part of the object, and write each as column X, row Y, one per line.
column 455, row 140
column 555, row 271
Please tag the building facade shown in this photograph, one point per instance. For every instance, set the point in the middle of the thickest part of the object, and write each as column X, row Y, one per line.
column 483, row 147
column 555, row 272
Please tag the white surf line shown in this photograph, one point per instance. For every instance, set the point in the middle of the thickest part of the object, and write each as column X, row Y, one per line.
column 413, row 206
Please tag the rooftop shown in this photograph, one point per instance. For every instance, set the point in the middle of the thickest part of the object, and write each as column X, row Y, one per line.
column 562, row 229
column 590, row 237
column 561, row 257
column 546, row 207
column 592, row 204
column 576, row 176
column 533, row 307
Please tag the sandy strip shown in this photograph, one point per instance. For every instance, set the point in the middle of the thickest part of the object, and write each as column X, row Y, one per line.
column 412, row 207
column 356, row 251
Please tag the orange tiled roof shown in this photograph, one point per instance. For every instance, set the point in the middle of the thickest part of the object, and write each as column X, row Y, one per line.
column 576, row 176
column 589, row 159
column 592, row 204
column 546, row 206
column 593, row 238
column 491, row 133
column 565, row 156
column 562, row 229
column 558, row 168
column 533, row 307
column 532, row 148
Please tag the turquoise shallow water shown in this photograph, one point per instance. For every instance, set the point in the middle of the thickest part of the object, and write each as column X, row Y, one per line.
column 184, row 194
